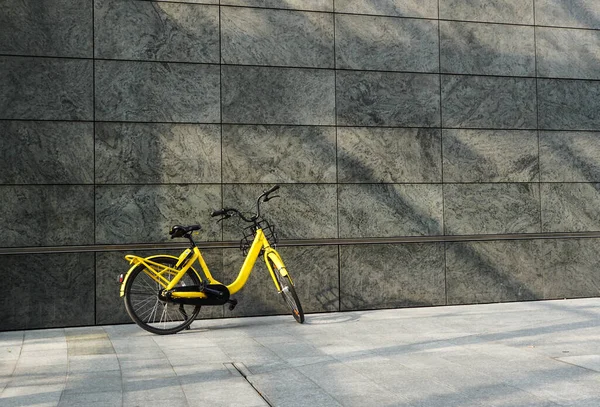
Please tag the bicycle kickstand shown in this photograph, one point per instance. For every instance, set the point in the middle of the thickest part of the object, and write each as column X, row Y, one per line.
column 232, row 304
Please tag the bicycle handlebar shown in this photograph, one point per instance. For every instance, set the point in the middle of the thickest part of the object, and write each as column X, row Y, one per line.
column 229, row 212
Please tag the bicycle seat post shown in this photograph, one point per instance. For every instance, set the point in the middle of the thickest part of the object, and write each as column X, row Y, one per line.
column 192, row 243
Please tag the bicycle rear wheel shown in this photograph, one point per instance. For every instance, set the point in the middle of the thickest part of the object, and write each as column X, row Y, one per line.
column 150, row 312
column 288, row 292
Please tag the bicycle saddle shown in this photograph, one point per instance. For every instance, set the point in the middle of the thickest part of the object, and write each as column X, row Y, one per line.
column 181, row 231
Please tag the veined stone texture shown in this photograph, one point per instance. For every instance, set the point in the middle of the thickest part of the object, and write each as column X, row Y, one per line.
column 372, row 155
column 139, row 153
column 303, row 211
column 482, row 272
column 54, row 290
column 376, row 210
column 387, row 99
column 570, row 268
column 42, row 152
column 566, row 53
column 398, row 8
column 157, row 92
column 210, row 2
column 390, row 276
column 569, row 156
column 272, row 154
column 58, row 28
column 46, row 88
column 386, row 43
column 570, row 207
column 505, row 11
column 490, row 155
column 491, row 208
column 569, row 104
column 253, row 36
column 146, row 213
column 257, row 95
column 46, row 215
column 487, row 49
column 488, row 102
column 145, row 30
column 568, row 13
column 313, row 5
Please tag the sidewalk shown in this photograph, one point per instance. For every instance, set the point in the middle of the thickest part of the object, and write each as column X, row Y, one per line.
column 520, row 354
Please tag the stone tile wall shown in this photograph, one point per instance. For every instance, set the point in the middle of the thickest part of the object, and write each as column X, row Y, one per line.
column 119, row 118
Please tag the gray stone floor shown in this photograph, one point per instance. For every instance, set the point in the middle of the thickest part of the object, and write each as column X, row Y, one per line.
column 519, row 354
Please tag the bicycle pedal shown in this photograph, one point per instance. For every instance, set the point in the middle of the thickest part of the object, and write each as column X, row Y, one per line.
column 232, row 304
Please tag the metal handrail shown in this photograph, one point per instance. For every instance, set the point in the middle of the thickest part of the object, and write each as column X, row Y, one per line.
column 234, row 244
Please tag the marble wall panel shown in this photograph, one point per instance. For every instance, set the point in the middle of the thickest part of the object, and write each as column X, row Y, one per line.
column 564, row 53
column 488, row 102
column 389, row 155
column 480, row 272
column 384, row 210
column 397, row 8
column 568, row 13
column 570, row 207
column 214, row 2
column 569, row 156
column 259, row 296
column 47, row 290
column 145, row 213
column 303, row 211
column 386, row 43
column 387, row 99
column 487, row 49
column 276, row 37
column 388, row 276
column 314, row 271
column 314, row 5
column 491, row 208
column 157, row 153
column 490, row 156
column 570, row 268
column 46, row 215
column 46, row 152
column 260, row 95
column 157, row 92
column 271, row 154
column 60, row 28
column 45, row 89
column 569, row 104
column 110, row 307
column 143, row 30
column 505, row 11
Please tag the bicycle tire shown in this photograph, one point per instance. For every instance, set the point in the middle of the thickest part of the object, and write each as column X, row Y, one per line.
column 288, row 292
column 148, row 311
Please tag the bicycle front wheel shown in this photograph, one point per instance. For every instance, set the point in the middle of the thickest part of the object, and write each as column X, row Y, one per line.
column 288, row 292
column 146, row 308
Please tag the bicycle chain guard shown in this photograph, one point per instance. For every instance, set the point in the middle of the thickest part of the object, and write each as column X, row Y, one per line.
column 218, row 296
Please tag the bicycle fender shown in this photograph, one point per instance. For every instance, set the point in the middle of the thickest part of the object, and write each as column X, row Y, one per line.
column 122, row 288
column 271, row 255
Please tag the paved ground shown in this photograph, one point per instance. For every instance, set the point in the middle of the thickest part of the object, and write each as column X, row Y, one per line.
column 521, row 354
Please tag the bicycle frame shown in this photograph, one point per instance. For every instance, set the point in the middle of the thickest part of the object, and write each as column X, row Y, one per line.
column 157, row 271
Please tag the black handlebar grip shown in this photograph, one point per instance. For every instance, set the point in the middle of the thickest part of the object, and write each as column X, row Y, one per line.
column 275, row 188
column 219, row 212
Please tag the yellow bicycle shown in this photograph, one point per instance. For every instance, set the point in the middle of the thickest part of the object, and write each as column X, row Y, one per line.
column 163, row 294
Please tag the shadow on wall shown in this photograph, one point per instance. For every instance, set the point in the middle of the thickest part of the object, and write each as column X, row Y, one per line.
column 140, row 190
column 482, row 47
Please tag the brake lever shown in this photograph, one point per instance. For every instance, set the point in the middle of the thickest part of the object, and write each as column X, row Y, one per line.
column 271, row 197
column 225, row 217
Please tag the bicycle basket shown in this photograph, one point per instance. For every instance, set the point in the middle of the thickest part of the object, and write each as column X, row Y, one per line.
column 250, row 232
